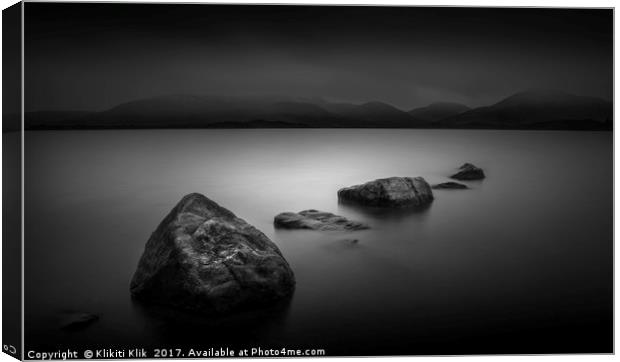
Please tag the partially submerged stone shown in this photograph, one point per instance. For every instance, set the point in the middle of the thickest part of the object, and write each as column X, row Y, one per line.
column 316, row 220
column 203, row 257
column 350, row 241
column 77, row 321
column 449, row 185
column 468, row 172
column 389, row 192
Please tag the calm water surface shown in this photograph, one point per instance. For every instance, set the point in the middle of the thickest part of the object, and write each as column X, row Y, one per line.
column 520, row 263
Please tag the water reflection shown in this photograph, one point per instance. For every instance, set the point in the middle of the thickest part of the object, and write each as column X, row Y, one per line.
column 385, row 213
column 172, row 326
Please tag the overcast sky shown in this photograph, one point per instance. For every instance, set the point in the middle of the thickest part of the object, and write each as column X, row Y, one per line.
column 95, row 56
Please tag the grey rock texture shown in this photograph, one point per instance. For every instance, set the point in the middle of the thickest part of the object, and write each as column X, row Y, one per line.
column 316, row 220
column 468, row 172
column 203, row 257
column 449, row 185
column 389, row 192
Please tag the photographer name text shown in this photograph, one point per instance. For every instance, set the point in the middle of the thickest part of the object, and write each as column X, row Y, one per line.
column 109, row 353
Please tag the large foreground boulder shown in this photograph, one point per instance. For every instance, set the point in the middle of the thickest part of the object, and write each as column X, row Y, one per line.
column 203, row 257
column 468, row 172
column 316, row 220
column 389, row 192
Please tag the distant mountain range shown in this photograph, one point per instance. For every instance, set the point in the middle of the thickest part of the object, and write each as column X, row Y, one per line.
column 437, row 111
column 538, row 109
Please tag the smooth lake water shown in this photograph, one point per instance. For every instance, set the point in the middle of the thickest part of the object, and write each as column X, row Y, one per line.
column 520, row 263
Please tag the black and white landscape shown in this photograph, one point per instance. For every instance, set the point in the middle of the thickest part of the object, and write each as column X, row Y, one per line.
column 531, row 109
column 362, row 180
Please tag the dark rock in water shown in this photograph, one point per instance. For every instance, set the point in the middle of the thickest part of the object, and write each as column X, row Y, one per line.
column 202, row 257
column 450, row 185
column 390, row 192
column 316, row 220
column 350, row 241
column 77, row 321
column 469, row 172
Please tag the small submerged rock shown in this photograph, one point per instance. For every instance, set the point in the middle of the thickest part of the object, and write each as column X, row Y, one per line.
column 390, row 192
column 202, row 257
column 350, row 242
column 468, row 172
column 78, row 320
column 449, row 185
column 316, row 220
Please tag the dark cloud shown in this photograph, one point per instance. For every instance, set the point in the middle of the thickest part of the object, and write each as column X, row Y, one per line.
column 94, row 56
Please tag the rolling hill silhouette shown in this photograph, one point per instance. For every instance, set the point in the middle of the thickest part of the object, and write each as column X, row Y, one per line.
column 538, row 109
column 438, row 111
column 534, row 109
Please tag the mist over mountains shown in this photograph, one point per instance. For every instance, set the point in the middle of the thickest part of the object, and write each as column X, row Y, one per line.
column 438, row 111
column 533, row 109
